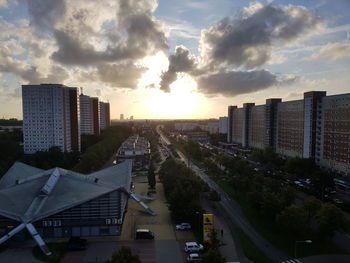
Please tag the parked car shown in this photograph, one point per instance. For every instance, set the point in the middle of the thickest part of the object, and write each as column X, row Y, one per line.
column 194, row 257
column 183, row 226
column 193, row 247
column 76, row 243
column 144, row 234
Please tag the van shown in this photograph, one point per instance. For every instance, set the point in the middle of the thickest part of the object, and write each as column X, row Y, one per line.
column 144, row 234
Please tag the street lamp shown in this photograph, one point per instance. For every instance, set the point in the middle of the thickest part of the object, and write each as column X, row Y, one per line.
column 308, row 241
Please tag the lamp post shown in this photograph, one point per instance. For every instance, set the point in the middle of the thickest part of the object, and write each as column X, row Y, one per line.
column 308, row 241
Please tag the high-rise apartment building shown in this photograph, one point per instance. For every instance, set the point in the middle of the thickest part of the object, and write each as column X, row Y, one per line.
column 333, row 133
column 105, row 117
column 238, row 128
column 89, row 115
column 50, row 117
column 317, row 126
column 230, row 116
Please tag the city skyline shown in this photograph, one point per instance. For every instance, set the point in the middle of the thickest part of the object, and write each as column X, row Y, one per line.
column 189, row 59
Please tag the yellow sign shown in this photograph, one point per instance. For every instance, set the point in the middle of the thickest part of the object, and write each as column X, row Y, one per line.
column 208, row 227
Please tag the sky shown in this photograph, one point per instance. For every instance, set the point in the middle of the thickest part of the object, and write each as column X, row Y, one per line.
column 174, row 58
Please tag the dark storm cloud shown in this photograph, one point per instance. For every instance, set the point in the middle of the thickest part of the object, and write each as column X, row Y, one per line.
column 181, row 61
column 45, row 13
column 233, row 83
column 137, row 35
column 247, row 40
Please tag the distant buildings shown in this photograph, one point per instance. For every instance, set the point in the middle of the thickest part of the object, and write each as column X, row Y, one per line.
column 56, row 115
column 210, row 127
column 121, row 117
column 50, row 117
column 317, row 126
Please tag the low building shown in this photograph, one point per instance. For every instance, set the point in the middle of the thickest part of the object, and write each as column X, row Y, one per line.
column 137, row 149
column 59, row 203
column 200, row 137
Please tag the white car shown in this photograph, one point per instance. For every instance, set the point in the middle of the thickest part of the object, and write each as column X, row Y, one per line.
column 183, row 226
column 193, row 247
column 194, row 257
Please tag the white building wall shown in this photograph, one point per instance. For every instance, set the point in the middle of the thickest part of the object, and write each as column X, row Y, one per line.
column 44, row 118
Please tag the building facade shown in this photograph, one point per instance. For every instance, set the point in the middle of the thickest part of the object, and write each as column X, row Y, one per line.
column 333, row 133
column 105, row 117
column 317, row 127
column 50, row 117
column 223, row 125
column 89, row 115
column 59, row 203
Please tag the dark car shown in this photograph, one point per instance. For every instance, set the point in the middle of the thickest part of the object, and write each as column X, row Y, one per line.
column 77, row 243
column 144, row 234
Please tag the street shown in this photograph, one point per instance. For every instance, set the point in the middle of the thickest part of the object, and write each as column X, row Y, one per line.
column 233, row 213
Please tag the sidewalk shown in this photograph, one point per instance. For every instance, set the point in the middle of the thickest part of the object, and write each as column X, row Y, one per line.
column 230, row 249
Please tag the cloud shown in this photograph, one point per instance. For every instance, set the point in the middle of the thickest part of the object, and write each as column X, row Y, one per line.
column 181, row 61
column 233, row 83
column 124, row 75
column 135, row 35
column 245, row 41
column 46, row 13
column 333, row 51
column 3, row 3
column 248, row 40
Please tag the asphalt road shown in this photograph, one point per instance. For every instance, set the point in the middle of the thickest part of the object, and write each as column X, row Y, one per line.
column 234, row 213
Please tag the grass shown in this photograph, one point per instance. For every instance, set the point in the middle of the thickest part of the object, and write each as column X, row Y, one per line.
column 251, row 251
column 57, row 250
column 269, row 230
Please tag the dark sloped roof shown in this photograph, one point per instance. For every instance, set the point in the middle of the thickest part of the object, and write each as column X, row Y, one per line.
column 26, row 202
column 18, row 171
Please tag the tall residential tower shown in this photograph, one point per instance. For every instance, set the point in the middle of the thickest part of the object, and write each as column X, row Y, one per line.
column 50, row 117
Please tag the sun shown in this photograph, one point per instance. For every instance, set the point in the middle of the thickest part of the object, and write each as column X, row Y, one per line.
column 181, row 102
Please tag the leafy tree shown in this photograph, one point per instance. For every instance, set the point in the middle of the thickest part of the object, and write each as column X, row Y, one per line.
column 151, row 176
column 124, row 255
column 329, row 219
column 213, row 256
column 311, row 205
column 293, row 220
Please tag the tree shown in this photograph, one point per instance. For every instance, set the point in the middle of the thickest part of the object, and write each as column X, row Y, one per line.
column 124, row 255
column 329, row 219
column 293, row 221
column 311, row 206
column 151, row 176
column 213, row 256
